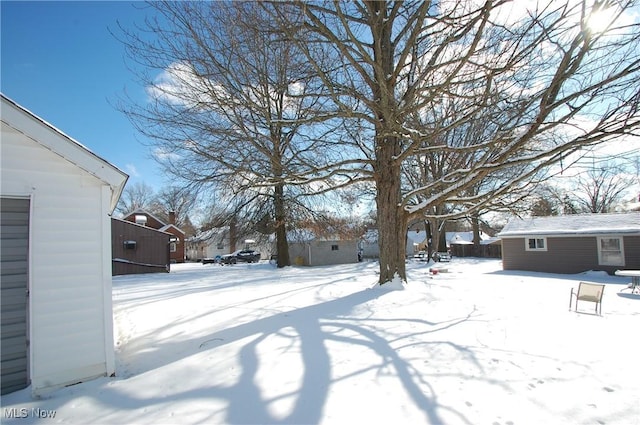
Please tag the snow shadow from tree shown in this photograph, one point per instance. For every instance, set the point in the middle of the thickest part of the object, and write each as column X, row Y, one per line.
column 311, row 329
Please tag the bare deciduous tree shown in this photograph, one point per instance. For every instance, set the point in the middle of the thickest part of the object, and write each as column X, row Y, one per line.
column 174, row 199
column 235, row 107
column 135, row 196
column 600, row 189
column 553, row 82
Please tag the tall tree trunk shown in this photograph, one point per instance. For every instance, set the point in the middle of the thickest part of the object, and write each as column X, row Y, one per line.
column 442, row 237
column 475, row 224
column 282, row 245
column 428, row 227
column 392, row 221
column 435, row 237
column 233, row 234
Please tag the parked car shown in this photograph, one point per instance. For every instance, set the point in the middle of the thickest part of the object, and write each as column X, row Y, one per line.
column 246, row 255
column 421, row 256
column 442, row 257
column 213, row 260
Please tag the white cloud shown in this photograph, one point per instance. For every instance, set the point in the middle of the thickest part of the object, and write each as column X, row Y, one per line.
column 180, row 84
column 132, row 170
column 165, row 155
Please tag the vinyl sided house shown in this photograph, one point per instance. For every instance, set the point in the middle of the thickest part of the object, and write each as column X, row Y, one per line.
column 56, row 199
column 572, row 243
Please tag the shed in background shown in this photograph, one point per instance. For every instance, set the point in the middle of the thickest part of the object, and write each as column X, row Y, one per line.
column 138, row 249
column 308, row 249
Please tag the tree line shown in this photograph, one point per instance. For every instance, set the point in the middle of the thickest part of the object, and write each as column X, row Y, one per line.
column 437, row 110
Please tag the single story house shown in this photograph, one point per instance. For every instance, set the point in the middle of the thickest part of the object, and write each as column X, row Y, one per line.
column 177, row 244
column 572, row 243
column 139, row 249
column 56, row 199
column 208, row 244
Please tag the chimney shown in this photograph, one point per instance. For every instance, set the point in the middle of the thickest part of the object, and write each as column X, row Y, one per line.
column 172, row 217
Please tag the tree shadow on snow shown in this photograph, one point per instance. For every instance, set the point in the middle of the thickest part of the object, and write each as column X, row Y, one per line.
column 313, row 328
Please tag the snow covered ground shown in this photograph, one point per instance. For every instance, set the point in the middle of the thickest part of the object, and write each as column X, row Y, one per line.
column 251, row 344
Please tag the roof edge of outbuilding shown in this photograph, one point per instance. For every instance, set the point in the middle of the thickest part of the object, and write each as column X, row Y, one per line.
column 67, row 147
column 140, row 225
column 626, row 223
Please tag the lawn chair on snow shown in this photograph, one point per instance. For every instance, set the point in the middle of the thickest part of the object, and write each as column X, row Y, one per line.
column 588, row 292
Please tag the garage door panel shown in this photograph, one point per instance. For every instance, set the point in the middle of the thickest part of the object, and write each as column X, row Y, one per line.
column 14, row 268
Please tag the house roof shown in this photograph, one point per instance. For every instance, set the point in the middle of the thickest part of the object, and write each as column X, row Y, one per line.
column 308, row 235
column 48, row 136
column 141, row 211
column 131, row 223
column 166, row 227
column 163, row 226
column 213, row 235
column 579, row 224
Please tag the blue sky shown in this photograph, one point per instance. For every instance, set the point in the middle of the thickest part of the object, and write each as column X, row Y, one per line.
column 60, row 61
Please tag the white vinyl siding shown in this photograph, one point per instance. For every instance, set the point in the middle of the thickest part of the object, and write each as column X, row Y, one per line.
column 610, row 251
column 69, row 327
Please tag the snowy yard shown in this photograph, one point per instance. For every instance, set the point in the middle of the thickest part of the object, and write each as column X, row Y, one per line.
column 250, row 344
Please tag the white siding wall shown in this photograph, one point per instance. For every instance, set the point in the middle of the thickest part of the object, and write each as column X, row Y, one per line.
column 320, row 253
column 71, row 331
column 211, row 250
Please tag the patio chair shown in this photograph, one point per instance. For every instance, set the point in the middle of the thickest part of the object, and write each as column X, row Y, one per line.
column 588, row 292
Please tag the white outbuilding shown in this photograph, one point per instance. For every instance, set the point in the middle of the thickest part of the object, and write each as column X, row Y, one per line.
column 56, row 200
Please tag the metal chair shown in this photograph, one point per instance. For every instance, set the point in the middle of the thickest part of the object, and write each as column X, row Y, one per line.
column 588, row 292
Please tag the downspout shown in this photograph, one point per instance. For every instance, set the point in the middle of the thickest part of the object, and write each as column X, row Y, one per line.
column 107, row 296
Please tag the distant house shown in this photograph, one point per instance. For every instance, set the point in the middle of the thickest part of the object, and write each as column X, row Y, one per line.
column 572, row 243
column 415, row 242
column 55, row 207
column 208, row 244
column 139, row 249
column 460, row 244
column 308, row 249
column 177, row 243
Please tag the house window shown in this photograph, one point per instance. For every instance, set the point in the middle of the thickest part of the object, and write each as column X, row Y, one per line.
column 173, row 247
column 536, row 244
column 335, row 247
column 220, row 246
column 610, row 251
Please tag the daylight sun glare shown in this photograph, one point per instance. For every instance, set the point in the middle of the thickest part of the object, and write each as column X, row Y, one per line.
column 600, row 18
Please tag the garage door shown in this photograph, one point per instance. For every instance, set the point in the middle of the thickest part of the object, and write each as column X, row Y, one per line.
column 14, row 257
